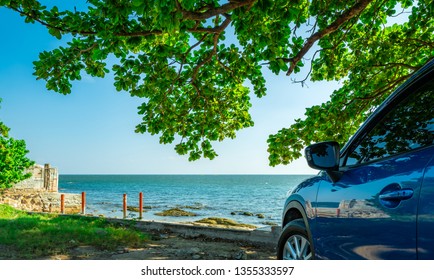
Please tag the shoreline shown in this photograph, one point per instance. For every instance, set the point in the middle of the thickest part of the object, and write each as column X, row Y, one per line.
column 189, row 213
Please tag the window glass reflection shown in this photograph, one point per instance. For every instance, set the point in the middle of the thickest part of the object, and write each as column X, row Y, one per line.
column 323, row 155
column 408, row 126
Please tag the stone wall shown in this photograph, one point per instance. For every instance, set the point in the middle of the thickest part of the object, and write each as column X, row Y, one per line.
column 40, row 201
column 44, row 178
column 39, row 193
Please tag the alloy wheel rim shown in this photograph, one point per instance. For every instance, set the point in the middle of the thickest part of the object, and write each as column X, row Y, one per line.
column 297, row 247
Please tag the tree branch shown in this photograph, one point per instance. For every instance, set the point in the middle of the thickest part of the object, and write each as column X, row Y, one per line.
column 197, row 16
column 393, row 65
column 211, row 12
column 216, row 29
column 349, row 14
column 380, row 91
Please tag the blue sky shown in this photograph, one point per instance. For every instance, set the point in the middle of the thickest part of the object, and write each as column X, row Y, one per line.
column 91, row 131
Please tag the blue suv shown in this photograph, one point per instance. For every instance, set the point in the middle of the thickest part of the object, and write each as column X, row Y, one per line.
column 374, row 198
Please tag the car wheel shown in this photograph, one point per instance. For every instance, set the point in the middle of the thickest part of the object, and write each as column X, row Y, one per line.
column 294, row 243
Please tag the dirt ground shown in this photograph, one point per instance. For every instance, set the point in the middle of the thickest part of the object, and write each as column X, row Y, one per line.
column 171, row 246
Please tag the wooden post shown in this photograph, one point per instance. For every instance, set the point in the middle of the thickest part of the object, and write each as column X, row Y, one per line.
column 62, row 203
column 83, row 203
column 140, row 205
column 125, row 205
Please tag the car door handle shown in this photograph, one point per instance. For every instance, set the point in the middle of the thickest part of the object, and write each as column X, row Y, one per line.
column 397, row 195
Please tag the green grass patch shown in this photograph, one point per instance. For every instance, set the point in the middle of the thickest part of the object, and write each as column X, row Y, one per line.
column 37, row 235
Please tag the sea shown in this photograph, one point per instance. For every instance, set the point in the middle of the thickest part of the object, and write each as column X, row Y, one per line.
column 250, row 199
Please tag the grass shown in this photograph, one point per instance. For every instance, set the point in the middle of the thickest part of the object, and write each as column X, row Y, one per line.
column 32, row 236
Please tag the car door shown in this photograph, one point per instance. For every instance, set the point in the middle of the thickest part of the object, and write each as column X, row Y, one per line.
column 371, row 212
column 425, row 217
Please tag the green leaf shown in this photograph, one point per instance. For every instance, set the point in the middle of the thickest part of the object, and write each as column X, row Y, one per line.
column 138, row 3
column 55, row 32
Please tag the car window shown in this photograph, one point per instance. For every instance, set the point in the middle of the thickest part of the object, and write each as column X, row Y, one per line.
column 408, row 126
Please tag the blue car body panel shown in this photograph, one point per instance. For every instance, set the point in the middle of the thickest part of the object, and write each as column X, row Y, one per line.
column 425, row 217
column 382, row 208
column 353, row 222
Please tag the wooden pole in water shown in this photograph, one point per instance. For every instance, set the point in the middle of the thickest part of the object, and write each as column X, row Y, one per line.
column 62, row 203
column 83, row 203
column 140, row 205
column 125, row 205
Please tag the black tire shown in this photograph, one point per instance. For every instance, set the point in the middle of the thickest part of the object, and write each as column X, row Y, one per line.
column 294, row 243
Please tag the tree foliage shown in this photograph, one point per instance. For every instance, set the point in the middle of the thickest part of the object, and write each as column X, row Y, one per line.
column 13, row 160
column 190, row 60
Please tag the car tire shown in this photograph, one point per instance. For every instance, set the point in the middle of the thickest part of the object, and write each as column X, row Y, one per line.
column 294, row 243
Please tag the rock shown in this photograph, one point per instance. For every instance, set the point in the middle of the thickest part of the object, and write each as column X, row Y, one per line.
column 133, row 209
column 223, row 222
column 195, row 206
column 164, row 236
column 241, row 255
column 194, row 250
column 243, row 213
column 176, row 212
column 269, row 224
column 101, row 232
column 260, row 216
column 225, row 256
column 137, row 209
column 83, row 250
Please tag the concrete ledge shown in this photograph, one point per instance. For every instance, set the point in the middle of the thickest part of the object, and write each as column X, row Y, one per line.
column 261, row 237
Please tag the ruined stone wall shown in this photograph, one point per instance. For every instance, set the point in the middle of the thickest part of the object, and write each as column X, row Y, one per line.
column 40, row 201
column 39, row 193
column 44, row 178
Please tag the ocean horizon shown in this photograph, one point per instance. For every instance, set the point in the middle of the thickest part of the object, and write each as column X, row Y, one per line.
column 245, row 198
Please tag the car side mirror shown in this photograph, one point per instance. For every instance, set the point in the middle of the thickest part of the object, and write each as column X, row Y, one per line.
column 323, row 156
